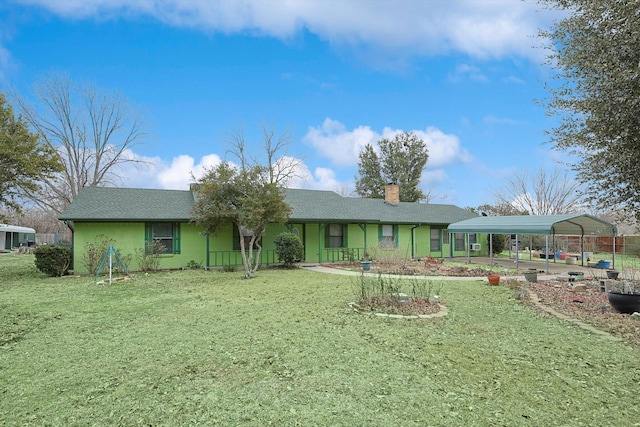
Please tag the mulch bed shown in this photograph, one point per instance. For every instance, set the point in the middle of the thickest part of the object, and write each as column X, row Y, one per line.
column 405, row 307
column 591, row 307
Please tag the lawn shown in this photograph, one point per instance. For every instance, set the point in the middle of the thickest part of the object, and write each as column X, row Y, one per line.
column 284, row 349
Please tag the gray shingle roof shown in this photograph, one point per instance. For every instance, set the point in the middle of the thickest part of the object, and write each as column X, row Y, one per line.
column 316, row 206
column 138, row 204
column 129, row 204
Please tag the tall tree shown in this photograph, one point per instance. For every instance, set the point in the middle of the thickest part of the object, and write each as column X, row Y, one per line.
column 596, row 97
column 244, row 197
column 280, row 168
column 25, row 162
column 541, row 193
column 401, row 161
column 92, row 131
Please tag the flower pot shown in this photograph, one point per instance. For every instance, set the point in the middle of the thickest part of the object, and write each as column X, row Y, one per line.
column 603, row 264
column 494, row 279
column 366, row 265
column 531, row 276
column 612, row 274
column 624, row 303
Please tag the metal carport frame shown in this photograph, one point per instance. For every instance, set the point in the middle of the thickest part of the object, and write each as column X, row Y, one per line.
column 567, row 224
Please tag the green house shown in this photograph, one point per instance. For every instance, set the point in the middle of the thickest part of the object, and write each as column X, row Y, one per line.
column 331, row 227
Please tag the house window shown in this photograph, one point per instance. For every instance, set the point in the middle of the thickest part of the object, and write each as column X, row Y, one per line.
column 435, row 239
column 445, row 237
column 473, row 238
column 162, row 237
column 334, row 236
column 247, row 240
column 459, row 242
column 387, row 237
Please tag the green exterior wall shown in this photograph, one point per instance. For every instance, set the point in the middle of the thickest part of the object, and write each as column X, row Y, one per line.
column 129, row 236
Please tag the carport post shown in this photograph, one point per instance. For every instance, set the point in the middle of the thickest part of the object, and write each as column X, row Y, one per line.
column 546, row 248
column 613, row 252
column 491, row 249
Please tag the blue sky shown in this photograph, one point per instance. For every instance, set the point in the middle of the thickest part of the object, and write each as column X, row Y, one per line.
column 337, row 75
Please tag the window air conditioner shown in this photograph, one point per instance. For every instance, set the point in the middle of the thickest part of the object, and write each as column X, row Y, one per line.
column 475, row 246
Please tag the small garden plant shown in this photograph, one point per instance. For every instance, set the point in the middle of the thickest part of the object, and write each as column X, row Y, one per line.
column 395, row 295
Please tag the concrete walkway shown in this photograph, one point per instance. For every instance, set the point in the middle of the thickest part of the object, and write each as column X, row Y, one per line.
column 331, row 270
column 557, row 268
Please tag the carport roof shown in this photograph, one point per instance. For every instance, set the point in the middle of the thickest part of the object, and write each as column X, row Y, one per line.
column 568, row 224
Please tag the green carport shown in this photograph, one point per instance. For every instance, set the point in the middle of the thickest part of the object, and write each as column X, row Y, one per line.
column 548, row 225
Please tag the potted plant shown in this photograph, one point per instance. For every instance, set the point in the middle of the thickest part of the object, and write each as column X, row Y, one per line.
column 365, row 263
column 531, row 275
column 494, row 279
column 612, row 274
column 624, row 295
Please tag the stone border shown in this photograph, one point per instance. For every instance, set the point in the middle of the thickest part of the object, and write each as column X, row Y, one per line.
column 535, row 300
column 441, row 313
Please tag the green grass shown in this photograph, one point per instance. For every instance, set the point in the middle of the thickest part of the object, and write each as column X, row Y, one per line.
column 283, row 349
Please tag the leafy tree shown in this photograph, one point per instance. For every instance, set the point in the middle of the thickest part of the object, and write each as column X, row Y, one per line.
column 496, row 242
column 92, row 131
column 596, row 97
column 244, row 197
column 541, row 193
column 401, row 161
column 25, row 162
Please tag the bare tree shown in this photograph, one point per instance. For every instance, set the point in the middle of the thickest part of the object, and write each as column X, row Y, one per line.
column 541, row 193
column 279, row 165
column 93, row 131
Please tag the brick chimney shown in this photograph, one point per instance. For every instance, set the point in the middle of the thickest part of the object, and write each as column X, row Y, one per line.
column 392, row 194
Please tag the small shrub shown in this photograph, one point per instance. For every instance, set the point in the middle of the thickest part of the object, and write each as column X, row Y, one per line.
column 149, row 258
column 53, row 260
column 228, row 268
column 93, row 252
column 193, row 264
column 289, row 249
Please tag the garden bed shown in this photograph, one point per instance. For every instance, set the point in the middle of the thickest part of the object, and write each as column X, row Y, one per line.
column 591, row 307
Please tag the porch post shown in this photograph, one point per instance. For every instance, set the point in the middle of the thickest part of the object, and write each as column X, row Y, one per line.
column 208, row 252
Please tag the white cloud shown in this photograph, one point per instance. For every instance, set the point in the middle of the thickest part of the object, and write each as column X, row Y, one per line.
column 320, row 179
column 444, row 149
column 467, row 72
column 335, row 142
column 481, row 29
column 514, row 79
column 179, row 174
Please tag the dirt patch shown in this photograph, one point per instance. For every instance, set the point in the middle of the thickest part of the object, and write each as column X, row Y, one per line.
column 591, row 307
column 403, row 306
column 424, row 267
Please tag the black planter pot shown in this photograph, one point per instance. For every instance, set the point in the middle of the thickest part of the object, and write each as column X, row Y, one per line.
column 624, row 303
column 612, row 274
